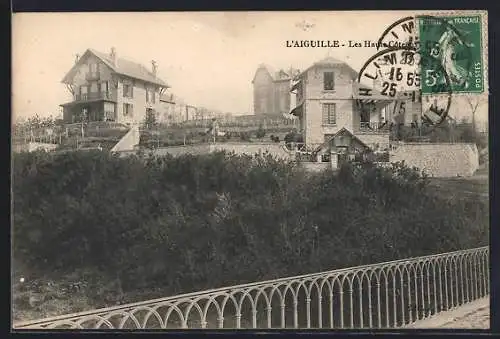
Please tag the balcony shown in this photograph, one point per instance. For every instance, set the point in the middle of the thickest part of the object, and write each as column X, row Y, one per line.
column 92, row 96
column 92, row 76
column 373, row 127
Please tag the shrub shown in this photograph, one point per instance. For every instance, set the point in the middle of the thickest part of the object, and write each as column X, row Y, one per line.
column 245, row 136
column 196, row 222
column 261, row 132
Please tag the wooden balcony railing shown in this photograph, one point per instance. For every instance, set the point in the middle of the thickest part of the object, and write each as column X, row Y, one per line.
column 93, row 96
column 374, row 127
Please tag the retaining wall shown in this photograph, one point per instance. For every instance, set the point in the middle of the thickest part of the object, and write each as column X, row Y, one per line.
column 439, row 160
column 275, row 149
column 129, row 141
column 180, row 150
column 316, row 166
column 33, row 146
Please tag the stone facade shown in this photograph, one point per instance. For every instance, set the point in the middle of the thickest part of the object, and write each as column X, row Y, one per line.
column 314, row 94
column 271, row 91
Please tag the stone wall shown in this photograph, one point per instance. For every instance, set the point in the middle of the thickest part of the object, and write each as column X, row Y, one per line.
column 129, row 141
column 276, row 149
column 36, row 146
column 439, row 160
column 316, row 166
column 181, row 150
column 32, row 146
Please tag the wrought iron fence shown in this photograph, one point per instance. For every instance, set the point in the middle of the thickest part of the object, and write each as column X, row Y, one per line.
column 386, row 295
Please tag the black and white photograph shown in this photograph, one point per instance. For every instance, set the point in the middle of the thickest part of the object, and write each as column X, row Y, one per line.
column 250, row 170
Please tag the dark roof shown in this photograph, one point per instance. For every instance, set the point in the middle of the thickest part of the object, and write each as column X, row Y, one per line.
column 276, row 75
column 168, row 98
column 330, row 61
column 124, row 67
column 342, row 131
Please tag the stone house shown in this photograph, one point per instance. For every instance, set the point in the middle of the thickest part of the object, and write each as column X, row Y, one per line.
column 271, row 90
column 105, row 87
column 329, row 102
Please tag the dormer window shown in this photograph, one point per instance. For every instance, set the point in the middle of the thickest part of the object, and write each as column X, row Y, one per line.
column 328, row 81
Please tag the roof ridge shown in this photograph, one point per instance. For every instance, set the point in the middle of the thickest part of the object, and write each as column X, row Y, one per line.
column 131, row 68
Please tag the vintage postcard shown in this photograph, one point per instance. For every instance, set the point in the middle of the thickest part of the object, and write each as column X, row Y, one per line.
column 323, row 170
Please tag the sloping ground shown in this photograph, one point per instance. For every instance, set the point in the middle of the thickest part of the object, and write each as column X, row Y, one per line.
column 475, row 314
column 476, row 186
column 97, row 134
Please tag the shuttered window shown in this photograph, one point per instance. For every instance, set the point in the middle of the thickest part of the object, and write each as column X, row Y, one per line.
column 329, row 114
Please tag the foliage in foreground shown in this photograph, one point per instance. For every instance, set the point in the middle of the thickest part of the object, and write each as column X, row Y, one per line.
column 123, row 225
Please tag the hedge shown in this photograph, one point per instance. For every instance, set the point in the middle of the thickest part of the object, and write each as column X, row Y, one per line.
column 189, row 223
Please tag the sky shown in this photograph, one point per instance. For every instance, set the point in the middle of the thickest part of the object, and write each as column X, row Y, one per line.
column 209, row 59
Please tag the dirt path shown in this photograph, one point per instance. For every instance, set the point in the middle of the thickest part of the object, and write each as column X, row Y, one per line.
column 474, row 315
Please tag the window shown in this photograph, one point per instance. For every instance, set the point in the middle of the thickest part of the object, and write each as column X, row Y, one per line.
column 262, row 105
column 127, row 109
column 329, row 114
column 84, row 89
column 328, row 81
column 150, row 96
column 103, row 86
column 93, row 87
column 94, row 68
column 283, row 103
column 128, row 90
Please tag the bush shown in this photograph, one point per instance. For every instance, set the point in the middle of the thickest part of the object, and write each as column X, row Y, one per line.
column 445, row 132
column 197, row 222
column 245, row 136
column 261, row 132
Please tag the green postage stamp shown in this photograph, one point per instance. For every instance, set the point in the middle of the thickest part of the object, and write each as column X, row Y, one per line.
column 456, row 44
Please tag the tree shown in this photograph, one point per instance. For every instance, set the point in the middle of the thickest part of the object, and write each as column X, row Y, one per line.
column 150, row 120
column 475, row 101
column 261, row 132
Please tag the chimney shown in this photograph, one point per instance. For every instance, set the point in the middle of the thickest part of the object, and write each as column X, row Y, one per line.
column 77, row 58
column 154, row 67
column 112, row 55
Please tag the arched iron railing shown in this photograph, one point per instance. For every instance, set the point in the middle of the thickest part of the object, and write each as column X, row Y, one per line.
column 386, row 295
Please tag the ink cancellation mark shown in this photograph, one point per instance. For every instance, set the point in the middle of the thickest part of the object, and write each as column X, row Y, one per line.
column 396, row 76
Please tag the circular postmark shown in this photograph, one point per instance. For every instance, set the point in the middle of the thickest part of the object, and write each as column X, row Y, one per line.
column 390, row 89
column 401, row 32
